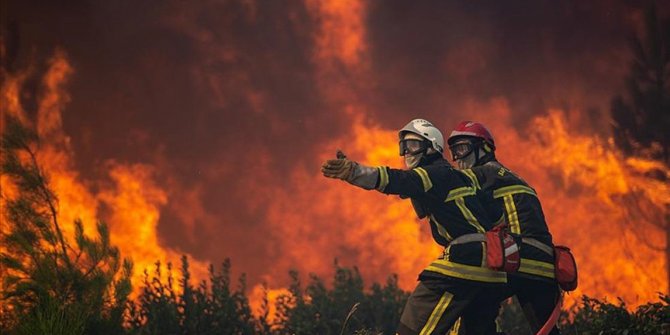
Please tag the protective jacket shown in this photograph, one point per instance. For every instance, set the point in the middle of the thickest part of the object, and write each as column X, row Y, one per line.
column 454, row 208
column 523, row 214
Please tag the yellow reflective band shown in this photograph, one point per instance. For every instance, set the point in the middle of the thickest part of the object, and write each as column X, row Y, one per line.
column 455, row 328
column 441, row 229
column 437, row 313
column 469, row 272
column 427, row 184
column 472, row 220
column 457, row 195
column 538, row 268
column 514, row 189
column 383, row 178
column 460, row 192
column 472, row 176
column 512, row 215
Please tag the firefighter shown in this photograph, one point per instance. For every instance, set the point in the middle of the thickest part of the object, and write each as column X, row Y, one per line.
column 473, row 149
column 457, row 218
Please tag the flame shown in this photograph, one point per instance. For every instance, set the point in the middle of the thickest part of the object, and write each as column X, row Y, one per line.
column 340, row 49
column 341, row 35
column 579, row 180
column 612, row 248
column 133, row 197
column 258, row 294
column 378, row 233
column 586, row 186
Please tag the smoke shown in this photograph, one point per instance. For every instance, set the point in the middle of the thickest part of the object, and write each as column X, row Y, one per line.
column 230, row 106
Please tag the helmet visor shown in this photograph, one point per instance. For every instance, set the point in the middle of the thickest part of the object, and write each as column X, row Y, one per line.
column 461, row 149
column 412, row 146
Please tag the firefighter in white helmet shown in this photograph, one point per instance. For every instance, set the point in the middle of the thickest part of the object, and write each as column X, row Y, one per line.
column 457, row 218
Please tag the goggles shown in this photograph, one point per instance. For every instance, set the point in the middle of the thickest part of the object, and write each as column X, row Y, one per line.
column 412, row 146
column 461, row 149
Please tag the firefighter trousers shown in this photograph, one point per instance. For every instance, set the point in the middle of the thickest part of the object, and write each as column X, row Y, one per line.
column 536, row 297
column 436, row 304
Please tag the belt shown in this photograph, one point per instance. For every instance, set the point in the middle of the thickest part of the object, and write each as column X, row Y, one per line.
column 468, row 238
column 544, row 247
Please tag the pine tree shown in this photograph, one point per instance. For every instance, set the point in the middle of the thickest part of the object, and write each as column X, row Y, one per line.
column 52, row 284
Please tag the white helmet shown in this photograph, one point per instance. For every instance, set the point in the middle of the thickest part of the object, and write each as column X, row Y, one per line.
column 426, row 130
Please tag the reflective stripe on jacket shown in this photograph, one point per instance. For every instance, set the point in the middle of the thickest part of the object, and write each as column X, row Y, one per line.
column 454, row 207
column 523, row 213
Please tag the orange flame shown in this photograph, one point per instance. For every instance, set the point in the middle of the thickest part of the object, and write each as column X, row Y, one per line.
column 578, row 184
column 583, row 181
column 579, row 178
column 134, row 198
column 614, row 250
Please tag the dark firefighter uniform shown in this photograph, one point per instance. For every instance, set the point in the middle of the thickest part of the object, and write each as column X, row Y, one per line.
column 450, row 284
column 534, row 283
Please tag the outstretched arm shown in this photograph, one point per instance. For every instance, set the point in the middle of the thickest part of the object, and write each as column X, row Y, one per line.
column 386, row 180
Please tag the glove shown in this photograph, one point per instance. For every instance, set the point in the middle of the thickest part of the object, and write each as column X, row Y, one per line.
column 354, row 173
column 340, row 168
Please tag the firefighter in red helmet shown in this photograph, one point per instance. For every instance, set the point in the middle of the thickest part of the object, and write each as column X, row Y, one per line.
column 458, row 218
column 473, row 149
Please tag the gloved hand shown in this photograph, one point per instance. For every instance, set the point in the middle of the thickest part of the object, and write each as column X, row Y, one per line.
column 352, row 172
column 340, row 168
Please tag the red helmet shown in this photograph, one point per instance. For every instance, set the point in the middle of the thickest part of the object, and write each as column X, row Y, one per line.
column 472, row 129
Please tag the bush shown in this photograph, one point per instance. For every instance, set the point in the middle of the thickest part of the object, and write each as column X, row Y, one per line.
column 345, row 309
column 209, row 308
column 593, row 316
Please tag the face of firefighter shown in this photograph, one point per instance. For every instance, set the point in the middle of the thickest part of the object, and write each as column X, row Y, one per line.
column 463, row 153
column 412, row 147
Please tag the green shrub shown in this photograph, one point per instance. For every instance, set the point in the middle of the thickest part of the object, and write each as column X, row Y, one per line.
column 210, row 308
column 319, row 310
column 593, row 316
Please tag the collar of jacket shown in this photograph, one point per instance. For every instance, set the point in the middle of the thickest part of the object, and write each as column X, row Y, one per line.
column 434, row 159
column 490, row 157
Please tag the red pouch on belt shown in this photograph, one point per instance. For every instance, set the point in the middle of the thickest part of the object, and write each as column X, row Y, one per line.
column 566, row 268
column 502, row 252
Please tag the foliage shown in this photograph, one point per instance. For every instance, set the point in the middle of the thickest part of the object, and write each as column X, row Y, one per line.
column 166, row 306
column 344, row 309
column 512, row 319
column 50, row 284
column 593, row 316
column 209, row 308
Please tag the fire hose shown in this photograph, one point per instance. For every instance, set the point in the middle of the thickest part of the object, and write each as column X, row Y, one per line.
column 553, row 318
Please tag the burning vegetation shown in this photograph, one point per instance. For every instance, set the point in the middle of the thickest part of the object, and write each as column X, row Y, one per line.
column 605, row 193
